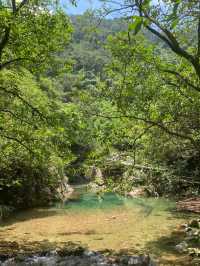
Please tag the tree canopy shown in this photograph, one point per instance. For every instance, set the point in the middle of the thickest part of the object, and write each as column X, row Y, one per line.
column 75, row 91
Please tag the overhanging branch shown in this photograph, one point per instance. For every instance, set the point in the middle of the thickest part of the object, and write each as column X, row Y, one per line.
column 16, row 94
column 13, row 61
column 21, row 143
column 153, row 124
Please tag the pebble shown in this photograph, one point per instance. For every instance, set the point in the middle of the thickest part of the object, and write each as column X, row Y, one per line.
column 88, row 258
column 182, row 247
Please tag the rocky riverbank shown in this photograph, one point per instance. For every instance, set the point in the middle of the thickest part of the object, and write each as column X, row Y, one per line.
column 81, row 258
column 191, row 241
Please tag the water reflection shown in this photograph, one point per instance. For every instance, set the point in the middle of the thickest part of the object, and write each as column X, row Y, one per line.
column 84, row 200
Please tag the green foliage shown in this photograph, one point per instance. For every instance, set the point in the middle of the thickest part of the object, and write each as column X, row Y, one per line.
column 158, row 90
column 89, row 37
column 114, row 88
column 34, row 134
column 147, row 103
column 35, row 34
column 34, row 143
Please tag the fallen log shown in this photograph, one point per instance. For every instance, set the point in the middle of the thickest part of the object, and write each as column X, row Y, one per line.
column 191, row 204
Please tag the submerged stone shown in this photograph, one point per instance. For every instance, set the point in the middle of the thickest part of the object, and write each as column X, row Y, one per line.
column 182, row 247
column 88, row 258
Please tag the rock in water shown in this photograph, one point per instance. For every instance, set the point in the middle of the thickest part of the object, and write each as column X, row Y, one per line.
column 182, row 247
column 137, row 192
column 86, row 258
column 143, row 260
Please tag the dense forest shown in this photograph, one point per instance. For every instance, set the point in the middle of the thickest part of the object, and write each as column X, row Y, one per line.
column 87, row 97
column 90, row 89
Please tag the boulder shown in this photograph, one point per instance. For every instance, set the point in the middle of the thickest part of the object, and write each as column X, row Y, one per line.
column 182, row 247
column 94, row 173
column 137, row 192
column 64, row 190
column 137, row 260
column 142, row 260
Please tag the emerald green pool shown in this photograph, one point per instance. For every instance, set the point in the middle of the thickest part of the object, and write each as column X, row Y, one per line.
column 82, row 200
column 139, row 225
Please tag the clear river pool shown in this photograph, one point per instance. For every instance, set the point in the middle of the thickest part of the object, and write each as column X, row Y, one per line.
column 139, row 225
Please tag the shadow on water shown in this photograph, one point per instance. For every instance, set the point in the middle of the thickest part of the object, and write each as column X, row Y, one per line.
column 42, row 248
column 87, row 233
column 182, row 214
column 27, row 215
column 84, row 201
column 165, row 243
column 164, row 248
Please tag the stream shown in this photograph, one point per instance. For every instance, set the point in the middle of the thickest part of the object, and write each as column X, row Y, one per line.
column 111, row 222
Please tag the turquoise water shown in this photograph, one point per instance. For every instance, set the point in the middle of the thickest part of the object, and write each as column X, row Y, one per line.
column 84, row 200
column 109, row 221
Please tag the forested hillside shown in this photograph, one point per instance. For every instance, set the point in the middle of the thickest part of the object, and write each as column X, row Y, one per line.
column 134, row 108
column 89, row 90
column 99, row 133
column 34, row 144
column 43, row 77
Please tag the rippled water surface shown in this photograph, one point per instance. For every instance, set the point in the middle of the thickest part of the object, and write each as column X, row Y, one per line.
column 110, row 222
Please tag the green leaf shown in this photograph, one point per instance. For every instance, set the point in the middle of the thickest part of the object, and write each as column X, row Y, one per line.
column 136, row 25
column 146, row 3
column 174, row 23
